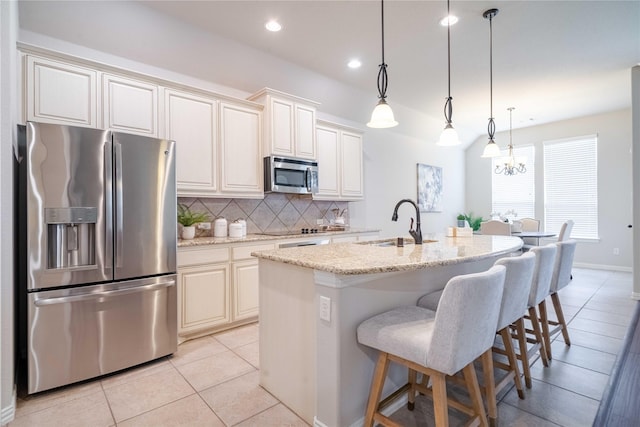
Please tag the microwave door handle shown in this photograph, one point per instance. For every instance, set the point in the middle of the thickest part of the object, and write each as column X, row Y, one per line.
column 307, row 179
column 119, row 208
column 108, row 204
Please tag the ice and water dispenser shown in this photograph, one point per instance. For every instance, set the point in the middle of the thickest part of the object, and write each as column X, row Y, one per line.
column 71, row 236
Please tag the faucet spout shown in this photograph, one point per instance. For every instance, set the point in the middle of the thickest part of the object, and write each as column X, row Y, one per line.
column 417, row 233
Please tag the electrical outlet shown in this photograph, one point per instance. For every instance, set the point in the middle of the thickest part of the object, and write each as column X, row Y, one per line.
column 204, row 226
column 319, row 221
column 616, row 251
column 325, row 309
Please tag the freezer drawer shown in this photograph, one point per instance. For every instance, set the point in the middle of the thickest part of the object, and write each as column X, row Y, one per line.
column 80, row 333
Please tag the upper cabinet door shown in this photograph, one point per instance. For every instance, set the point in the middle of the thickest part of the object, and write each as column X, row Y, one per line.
column 282, row 128
column 240, row 130
column 289, row 124
column 61, row 93
column 130, row 106
column 305, row 122
column 191, row 121
column 328, row 162
column 352, row 169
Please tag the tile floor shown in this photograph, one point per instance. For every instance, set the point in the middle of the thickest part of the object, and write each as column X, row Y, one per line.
column 213, row 381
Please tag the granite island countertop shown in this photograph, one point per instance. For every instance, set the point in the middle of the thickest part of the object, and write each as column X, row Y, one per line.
column 381, row 257
column 203, row 241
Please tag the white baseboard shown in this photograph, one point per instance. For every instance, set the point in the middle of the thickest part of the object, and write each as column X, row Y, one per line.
column 9, row 413
column 397, row 404
column 603, row 267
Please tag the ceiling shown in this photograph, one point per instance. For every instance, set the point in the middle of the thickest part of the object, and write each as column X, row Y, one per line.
column 552, row 60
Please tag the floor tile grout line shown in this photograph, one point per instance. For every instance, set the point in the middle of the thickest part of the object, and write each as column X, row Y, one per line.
column 530, row 413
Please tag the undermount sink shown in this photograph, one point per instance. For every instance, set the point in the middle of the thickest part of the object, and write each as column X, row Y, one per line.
column 391, row 242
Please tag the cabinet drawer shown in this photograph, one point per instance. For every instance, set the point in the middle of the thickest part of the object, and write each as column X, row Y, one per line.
column 202, row 256
column 244, row 252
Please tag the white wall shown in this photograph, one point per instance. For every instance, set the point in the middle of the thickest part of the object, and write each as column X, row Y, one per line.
column 8, row 118
column 614, row 180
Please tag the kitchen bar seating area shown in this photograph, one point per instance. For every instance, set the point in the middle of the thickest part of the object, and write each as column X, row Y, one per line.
column 179, row 388
column 211, row 219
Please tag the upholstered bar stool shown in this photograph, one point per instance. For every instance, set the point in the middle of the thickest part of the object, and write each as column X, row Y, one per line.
column 543, row 270
column 517, row 286
column 437, row 344
column 561, row 277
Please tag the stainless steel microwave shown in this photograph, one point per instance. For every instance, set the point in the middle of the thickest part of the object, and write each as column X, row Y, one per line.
column 289, row 175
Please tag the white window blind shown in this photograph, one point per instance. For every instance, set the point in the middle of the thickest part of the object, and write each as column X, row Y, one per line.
column 571, row 185
column 515, row 193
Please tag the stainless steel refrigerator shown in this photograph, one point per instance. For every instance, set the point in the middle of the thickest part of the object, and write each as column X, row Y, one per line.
column 97, row 252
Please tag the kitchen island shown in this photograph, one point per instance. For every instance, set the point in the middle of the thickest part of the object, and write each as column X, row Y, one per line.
column 313, row 298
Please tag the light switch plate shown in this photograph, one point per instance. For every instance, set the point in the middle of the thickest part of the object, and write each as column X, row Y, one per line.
column 325, row 309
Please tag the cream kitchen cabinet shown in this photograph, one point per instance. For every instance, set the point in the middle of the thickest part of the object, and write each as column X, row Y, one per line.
column 57, row 92
column 340, row 162
column 240, row 152
column 204, row 295
column 289, row 124
column 218, row 145
column 129, row 105
column 192, row 121
column 246, row 281
column 217, row 288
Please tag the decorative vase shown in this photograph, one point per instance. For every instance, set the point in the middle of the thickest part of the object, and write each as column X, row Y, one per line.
column 188, row 232
column 462, row 222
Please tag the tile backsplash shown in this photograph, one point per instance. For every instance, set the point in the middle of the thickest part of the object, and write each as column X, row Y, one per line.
column 276, row 212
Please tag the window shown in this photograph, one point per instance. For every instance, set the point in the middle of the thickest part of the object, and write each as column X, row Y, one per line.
column 571, row 185
column 515, row 193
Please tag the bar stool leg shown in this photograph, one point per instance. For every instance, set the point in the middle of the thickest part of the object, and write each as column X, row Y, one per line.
column 440, row 408
column 474, row 391
column 555, row 298
column 513, row 362
column 411, row 403
column 490, row 386
column 524, row 354
column 377, row 383
column 535, row 323
column 544, row 321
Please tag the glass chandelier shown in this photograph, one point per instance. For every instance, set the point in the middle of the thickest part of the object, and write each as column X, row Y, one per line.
column 511, row 165
column 382, row 116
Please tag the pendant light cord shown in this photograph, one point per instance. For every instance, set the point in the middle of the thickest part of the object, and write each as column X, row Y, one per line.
column 448, row 108
column 383, row 79
column 491, row 128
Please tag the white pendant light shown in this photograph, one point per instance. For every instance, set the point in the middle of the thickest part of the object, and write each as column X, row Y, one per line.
column 449, row 136
column 382, row 116
column 491, row 149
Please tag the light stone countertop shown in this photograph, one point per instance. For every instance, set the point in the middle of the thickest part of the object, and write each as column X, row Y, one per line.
column 203, row 241
column 368, row 257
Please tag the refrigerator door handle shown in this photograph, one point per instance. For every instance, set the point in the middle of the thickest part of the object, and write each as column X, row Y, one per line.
column 117, row 148
column 108, row 205
column 104, row 294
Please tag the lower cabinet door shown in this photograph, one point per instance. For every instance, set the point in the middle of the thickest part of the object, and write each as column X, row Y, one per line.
column 245, row 281
column 203, row 298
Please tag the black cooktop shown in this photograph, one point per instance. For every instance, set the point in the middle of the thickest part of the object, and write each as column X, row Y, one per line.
column 293, row 232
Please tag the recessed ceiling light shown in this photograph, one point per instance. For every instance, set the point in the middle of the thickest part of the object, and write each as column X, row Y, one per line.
column 448, row 20
column 273, row 26
column 354, row 63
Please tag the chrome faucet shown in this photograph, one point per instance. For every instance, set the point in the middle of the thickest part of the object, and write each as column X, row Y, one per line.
column 417, row 233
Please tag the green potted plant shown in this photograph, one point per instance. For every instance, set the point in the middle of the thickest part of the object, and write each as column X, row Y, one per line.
column 461, row 219
column 189, row 219
column 474, row 221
